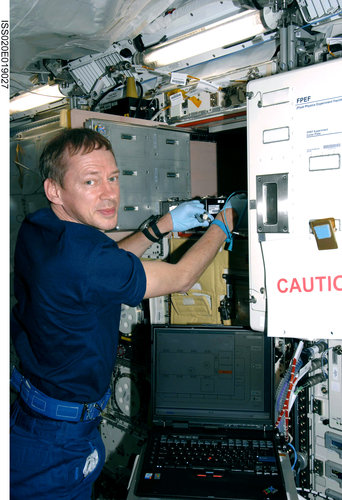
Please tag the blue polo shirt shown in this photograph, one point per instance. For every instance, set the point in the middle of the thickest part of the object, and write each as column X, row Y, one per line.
column 70, row 281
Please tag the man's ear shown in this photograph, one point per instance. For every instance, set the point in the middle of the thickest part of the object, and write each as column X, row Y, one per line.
column 53, row 191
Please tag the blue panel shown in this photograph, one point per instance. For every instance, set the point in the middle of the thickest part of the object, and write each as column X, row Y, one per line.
column 323, row 231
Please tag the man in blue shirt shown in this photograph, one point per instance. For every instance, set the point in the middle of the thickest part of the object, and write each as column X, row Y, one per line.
column 70, row 281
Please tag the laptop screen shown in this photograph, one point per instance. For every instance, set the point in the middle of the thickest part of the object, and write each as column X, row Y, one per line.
column 221, row 376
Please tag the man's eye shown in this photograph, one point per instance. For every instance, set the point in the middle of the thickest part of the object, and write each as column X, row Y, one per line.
column 115, row 178
column 90, row 182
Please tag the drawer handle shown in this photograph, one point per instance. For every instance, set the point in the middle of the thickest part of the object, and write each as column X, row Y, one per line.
column 129, row 172
column 128, row 137
column 130, row 208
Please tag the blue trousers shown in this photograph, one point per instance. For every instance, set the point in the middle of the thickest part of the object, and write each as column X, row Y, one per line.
column 51, row 459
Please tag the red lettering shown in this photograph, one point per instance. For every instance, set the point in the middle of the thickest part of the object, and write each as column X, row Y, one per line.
column 320, row 279
column 311, row 283
column 335, row 283
column 278, row 285
column 295, row 286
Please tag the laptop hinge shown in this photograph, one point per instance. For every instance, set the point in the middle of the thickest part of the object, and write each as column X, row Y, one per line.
column 171, row 425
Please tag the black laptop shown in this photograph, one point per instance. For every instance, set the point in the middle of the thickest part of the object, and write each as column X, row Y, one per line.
column 213, row 432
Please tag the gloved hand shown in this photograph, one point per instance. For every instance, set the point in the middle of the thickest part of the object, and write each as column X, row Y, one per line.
column 238, row 202
column 184, row 216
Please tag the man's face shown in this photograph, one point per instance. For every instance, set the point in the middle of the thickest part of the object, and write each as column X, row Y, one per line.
column 91, row 192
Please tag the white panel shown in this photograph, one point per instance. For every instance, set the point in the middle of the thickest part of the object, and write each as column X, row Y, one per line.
column 275, row 97
column 325, row 162
column 303, row 284
column 276, row 135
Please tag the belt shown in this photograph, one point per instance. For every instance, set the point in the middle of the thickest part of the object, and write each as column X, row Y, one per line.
column 55, row 408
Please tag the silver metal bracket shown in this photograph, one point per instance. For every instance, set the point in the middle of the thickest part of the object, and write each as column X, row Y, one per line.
column 271, row 203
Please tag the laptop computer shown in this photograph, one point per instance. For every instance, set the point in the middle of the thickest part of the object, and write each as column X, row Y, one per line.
column 212, row 400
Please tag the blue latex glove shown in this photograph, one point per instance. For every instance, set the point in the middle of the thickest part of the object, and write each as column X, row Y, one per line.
column 188, row 216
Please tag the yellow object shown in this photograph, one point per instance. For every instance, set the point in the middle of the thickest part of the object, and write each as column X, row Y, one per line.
column 65, row 118
column 197, row 102
column 324, row 231
column 200, row 305
column 131, row 90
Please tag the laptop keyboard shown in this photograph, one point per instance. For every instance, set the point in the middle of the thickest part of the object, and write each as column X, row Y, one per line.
column 216, row 453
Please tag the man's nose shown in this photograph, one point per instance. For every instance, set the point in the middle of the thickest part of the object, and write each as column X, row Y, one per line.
column 109, row 190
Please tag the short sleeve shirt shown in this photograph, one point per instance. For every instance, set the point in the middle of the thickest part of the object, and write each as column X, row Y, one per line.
column 70, row 281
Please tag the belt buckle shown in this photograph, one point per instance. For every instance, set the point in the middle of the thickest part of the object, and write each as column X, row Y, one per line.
column 84, row 411
column 87, row 410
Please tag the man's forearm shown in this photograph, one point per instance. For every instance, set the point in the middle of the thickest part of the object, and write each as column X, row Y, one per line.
column 138, row 243
column 164, row 278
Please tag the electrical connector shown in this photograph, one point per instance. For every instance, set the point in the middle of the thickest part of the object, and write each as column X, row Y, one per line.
column 337, row 349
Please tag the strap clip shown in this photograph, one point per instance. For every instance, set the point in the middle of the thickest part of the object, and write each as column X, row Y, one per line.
column 151, row 222
column 84, row 411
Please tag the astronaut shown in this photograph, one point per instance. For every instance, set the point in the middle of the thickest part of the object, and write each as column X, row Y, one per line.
column 70, row 281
